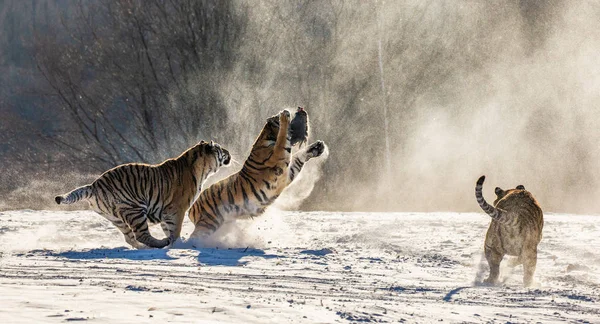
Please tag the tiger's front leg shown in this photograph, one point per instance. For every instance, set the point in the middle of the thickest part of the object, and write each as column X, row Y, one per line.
column 494, row 258
column 313, row 150
column 282, row 149
column 171, row 226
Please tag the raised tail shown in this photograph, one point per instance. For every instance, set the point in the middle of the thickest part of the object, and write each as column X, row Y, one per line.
column 76, row 195
column 494, row 212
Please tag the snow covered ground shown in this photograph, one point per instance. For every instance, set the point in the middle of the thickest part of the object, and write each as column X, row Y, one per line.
column 301, row 267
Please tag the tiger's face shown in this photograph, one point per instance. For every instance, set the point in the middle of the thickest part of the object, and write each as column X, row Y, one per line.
column 222, row 156
column 209, row 157
column 503, row 193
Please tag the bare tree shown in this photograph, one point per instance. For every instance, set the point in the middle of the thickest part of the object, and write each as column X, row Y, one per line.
column 135, row 78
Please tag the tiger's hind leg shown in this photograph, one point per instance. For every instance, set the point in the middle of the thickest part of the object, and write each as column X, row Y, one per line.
column 493, row 258
column 121, row 226
column 513, row 262
column 136, row 220
column 128, row 234
column 202, row 231
column 529, row 258
column 206, row 226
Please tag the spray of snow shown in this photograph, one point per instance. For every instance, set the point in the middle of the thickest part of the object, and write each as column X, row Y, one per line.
column 267, row 230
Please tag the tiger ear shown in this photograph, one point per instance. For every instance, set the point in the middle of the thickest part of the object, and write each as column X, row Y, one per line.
column 498, row 191
column 521, row 187
column 207, row 148
column 212, row 143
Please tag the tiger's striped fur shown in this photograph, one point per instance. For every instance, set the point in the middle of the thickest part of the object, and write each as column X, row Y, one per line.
column 264, row 175
column 516, row 229
column 131, row 195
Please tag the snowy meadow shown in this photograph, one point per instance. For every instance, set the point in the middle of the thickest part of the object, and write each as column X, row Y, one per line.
column 302, row 267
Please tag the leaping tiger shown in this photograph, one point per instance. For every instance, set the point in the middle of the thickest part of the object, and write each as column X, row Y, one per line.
column 131, row 195
column 268, row 170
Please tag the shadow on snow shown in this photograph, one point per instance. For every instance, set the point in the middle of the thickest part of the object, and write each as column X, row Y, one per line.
column 205, row 256
column 230, row 257
column 111, row 253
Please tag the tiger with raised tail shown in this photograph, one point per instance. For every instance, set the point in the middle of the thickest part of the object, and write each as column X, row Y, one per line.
column 268, row 170
column 133, row 195
column 516, row 229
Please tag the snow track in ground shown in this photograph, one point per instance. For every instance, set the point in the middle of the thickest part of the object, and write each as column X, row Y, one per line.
column 311, row 267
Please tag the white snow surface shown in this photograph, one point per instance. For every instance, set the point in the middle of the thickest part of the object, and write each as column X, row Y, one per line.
column 293, row 267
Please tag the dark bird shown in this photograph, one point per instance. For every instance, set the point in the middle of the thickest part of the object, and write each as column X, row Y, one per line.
column 299, row 127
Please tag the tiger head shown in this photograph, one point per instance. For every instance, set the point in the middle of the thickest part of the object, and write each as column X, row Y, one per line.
column 503, row 193
column 208, row 157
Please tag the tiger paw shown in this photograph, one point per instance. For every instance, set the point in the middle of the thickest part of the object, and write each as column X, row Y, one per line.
column 284, row 117
column 490, row 282
column 172, row 241
column 316, row 149
column 140, row 246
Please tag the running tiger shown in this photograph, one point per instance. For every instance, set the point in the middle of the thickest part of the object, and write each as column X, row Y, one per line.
column 131, row 195
column 264, row 175
column 516, row 229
